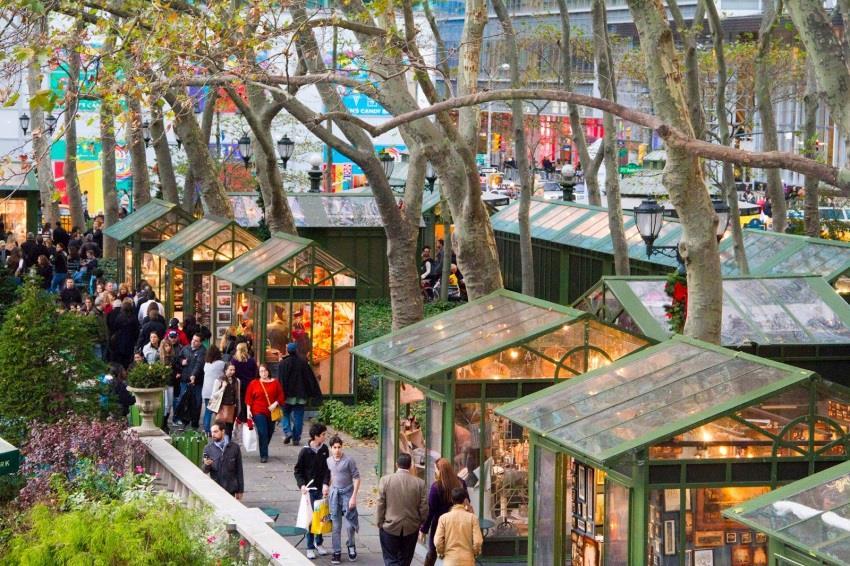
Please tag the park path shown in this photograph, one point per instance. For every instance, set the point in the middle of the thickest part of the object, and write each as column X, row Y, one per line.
column 273, row 485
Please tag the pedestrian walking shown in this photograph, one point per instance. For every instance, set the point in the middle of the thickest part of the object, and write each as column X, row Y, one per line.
column 60, row 268
column 228, row 385
column 263, row 398
column 213, row 371
column 246, row 371
column 191, row 381
column 124, row 334
column 402, row 508
column 223, row 461
column 342, row 500
column 439, row 503
column 311, row 471
column 459, row 538
column 154, row 323
column 299, row 386
column 151, row 350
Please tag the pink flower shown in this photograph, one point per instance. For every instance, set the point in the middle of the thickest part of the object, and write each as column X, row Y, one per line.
column 140, row 470
column 243, row 542
column 275, row 555
column 211, row 539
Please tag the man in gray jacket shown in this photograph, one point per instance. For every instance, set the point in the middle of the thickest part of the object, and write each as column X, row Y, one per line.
column 223, row 461
column 402, row 507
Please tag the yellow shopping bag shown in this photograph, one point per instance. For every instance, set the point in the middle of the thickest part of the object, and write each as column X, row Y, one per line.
column 321, row 524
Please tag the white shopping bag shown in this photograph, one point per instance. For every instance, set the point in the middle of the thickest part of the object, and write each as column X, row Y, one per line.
column 249, row 437
column 305, row 511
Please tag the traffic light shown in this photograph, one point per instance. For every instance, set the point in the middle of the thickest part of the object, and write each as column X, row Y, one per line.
column 496, row 143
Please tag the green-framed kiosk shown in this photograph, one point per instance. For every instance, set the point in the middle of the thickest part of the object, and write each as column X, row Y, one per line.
column 573, row 250
column 635, row 462
column 141, row 231
column 806, row 523
column 191, row 256
column 20, row 206
column 444, row 377
column 291, row 290
column 796, row 319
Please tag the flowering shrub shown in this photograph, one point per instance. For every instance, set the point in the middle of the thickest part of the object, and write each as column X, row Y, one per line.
column 677, row 312
column 146, row 376
column 78, row 454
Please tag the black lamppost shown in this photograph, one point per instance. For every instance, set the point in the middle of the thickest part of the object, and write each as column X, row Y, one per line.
column 146, row 132
column 568, row 182
column 387, row 162
column 245, row 149
column 315, row 173
column 24, row 119
column 285, row 147
column 50, row 121
column 178, row 140
column 430, row 176
column 649, row 218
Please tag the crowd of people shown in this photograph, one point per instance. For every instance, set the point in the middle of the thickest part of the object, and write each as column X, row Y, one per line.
column 431, row 271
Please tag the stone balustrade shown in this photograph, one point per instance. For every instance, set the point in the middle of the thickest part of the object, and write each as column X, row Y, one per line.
column 183, row 478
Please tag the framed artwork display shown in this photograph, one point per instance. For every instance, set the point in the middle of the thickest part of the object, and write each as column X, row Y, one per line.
column 669, row 538
column 222, row 286
column 224, row 301
column 223, row 317
column 761, row 538
column 746, row 537
column 709, row 538
column 731, row 537
column 703, row 558
column 672, row 502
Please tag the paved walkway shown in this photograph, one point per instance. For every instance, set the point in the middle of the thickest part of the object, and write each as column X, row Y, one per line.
column 273, row 484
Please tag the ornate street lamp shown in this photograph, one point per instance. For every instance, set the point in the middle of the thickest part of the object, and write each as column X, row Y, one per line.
column 245, row 149
column 430, row 176
column 50, row 121
column 568, row 182
column 146, row 132
column 285, row 147
column 315, row 173
column 24, row 119
column 387, row 162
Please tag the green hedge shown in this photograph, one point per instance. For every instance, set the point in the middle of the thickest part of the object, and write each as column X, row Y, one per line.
column 360, row 421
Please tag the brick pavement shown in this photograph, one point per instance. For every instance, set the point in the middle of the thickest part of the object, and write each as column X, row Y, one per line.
column 273, row 484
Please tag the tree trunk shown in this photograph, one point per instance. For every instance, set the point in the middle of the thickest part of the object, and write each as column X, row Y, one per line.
column 683, row 174
column 691, row 62
column 138, row 157
column 606, row 80
column 189, row 186
column 72, row 101
column 525, row 177
column 164, row 165
column 728, row 180
column 810, row 133
column 775, row 191
column 204, row 170
column 579, row 141
column 278, row 215
column 41, row 149
column 108, row 172
column 469, row 61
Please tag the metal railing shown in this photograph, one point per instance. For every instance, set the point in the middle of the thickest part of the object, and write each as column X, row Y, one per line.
column 182, row 477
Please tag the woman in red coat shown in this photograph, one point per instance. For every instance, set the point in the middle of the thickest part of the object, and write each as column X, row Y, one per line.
column 261, row 398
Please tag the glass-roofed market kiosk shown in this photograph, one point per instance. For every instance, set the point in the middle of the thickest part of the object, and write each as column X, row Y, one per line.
column 634, row 463
column 807, row 523
column 290, row 290
column 799, row 320
column 444, row 377
column 141, row 231
column 192, row 255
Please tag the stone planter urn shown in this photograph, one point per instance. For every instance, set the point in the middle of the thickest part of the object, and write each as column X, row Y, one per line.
column 148, row 400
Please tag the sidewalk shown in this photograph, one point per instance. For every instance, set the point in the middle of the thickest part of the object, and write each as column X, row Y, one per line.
column 273, row 485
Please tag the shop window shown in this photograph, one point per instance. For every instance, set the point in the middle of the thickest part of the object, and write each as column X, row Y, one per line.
column 616, row 549
column 13, row 217
column 545, row 481
column 388, row 427
column 587, row 509
column 128, row 266
column 514, row 363
column 491, row 455
column 411, row 427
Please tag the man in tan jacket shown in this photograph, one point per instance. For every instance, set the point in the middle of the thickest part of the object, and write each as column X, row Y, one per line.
column 458, row 538
column 402, row 507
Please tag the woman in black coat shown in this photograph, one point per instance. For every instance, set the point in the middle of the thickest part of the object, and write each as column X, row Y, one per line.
column 123, row 334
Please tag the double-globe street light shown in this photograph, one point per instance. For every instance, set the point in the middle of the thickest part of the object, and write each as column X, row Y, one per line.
column 50, row 121
column 649, row 218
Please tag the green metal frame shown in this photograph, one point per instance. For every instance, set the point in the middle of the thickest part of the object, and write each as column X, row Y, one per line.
column 164, row 218
column 801, row 550
column 443, row 386
column 258, row 289
column 178, row 253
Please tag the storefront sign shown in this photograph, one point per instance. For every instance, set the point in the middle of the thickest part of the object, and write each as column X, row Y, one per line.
column 10, row 458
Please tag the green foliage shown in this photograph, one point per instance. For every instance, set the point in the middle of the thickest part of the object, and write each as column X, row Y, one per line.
column 8, row 291
column 47, row 363
column 360, row 421
column 829, row 229
column 148, row 376
column 366, row 389
column 109, row 266
column 144, row 531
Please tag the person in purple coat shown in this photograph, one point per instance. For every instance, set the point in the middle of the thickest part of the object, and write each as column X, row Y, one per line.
column 439, row 503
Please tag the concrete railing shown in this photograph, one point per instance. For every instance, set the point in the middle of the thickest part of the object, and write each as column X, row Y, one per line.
column 183, row 478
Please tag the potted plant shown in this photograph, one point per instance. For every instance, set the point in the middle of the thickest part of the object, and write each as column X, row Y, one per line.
column 148, row 382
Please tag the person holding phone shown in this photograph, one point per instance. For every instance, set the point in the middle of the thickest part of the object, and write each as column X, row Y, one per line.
column 223, row 461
